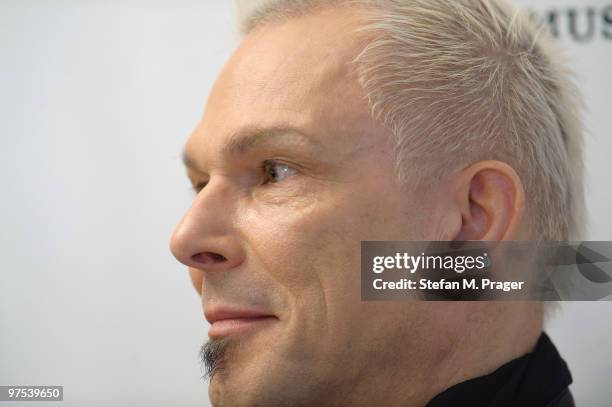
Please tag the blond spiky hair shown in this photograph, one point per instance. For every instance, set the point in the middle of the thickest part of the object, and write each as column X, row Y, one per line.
column 461, row 81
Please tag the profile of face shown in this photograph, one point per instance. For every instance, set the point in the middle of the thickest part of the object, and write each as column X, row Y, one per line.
column 292, row 173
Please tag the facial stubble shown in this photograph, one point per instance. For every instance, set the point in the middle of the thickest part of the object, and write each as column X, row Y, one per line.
column 212, row 355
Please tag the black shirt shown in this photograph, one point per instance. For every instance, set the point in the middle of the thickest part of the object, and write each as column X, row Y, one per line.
column 537, row 379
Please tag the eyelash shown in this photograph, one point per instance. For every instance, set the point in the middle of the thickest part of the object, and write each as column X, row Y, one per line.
column 264, row 167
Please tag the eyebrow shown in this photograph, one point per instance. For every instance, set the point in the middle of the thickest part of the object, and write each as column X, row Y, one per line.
column 245, row 140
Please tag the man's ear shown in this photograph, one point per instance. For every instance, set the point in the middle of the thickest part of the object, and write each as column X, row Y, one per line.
column 491, row 200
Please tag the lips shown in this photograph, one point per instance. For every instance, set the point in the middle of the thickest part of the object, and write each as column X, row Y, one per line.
column 229, row 321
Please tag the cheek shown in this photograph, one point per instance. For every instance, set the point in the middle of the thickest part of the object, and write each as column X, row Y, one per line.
column 311, row 249
column 305, row 247
column 294, row 241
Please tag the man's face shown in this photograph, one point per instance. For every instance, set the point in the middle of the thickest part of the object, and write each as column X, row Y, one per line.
column 297, row 174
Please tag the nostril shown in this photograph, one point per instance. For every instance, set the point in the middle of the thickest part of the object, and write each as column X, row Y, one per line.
column 208, row 258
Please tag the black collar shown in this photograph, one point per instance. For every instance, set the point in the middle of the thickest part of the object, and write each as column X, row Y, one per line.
column 537, row 379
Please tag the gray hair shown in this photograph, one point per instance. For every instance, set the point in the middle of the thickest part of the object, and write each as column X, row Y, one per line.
column 456, row 82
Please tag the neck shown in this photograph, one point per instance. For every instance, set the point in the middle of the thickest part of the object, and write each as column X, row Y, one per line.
column 512, row 331
column 489, row 335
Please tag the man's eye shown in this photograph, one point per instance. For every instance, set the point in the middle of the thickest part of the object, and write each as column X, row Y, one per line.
column 276, row 172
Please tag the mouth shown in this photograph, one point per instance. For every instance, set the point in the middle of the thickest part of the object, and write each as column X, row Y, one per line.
column 225, row 321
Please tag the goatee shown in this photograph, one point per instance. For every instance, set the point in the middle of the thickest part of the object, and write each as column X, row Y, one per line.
column 211, row 357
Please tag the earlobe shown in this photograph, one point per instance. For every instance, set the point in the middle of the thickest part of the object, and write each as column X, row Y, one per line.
column 491, row 199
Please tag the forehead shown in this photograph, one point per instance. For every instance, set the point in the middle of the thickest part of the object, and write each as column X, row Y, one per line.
column 297, row 73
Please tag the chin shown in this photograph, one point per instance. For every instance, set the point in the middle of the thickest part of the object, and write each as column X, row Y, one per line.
column 237, row 389
column 245, row 374
column 262, row 378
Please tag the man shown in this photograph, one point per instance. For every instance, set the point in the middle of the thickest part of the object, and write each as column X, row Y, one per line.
column 340, row 121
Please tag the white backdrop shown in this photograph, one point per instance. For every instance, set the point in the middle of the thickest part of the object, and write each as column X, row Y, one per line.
column 96, row 101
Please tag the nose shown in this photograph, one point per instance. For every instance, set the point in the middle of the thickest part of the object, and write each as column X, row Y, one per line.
column 206, row 239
